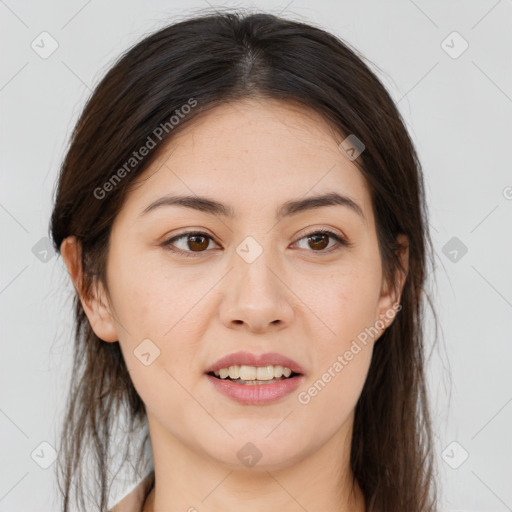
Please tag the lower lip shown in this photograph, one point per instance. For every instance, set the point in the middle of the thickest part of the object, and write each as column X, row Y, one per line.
column 256, row 394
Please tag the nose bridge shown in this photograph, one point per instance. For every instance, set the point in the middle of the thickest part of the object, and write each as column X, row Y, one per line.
column 255, row 267
column 256, row 294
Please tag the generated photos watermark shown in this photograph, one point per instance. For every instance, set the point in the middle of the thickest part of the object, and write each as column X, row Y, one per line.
column 145, row 149
column 304, row 397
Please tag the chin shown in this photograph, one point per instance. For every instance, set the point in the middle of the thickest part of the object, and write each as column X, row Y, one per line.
column 256, row 454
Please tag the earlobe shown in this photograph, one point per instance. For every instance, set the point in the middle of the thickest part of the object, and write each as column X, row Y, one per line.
column 95, row 304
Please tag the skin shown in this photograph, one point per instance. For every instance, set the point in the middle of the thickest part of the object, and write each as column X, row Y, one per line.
column 306, row 301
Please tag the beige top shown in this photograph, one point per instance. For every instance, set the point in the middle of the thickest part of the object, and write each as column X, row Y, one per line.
column 134, row 500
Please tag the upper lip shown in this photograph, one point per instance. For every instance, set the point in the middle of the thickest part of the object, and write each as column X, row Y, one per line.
column 249, row 359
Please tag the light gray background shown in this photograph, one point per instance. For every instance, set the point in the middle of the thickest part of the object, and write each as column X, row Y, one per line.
column 458, row 111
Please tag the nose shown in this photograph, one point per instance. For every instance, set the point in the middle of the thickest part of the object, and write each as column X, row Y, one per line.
column 256, row 296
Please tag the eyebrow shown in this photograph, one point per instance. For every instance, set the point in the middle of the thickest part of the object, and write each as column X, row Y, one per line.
column 213, row 207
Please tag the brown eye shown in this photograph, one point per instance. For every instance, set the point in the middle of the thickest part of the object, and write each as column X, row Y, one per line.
column 190, row 242
column 197, row 242
column 319, row 240
column 194, row 242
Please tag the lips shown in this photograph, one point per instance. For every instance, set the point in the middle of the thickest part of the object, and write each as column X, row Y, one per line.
column 263, row 394
column 249, row 359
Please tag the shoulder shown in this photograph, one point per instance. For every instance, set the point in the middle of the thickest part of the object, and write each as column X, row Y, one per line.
column 134, row 500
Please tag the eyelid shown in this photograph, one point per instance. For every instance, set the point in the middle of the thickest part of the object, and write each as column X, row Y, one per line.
column 340, row 242
column 340, row 239
column 322, row 229
column 167, row 242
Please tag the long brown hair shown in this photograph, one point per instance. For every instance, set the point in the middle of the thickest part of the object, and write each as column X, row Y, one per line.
column 210, row 59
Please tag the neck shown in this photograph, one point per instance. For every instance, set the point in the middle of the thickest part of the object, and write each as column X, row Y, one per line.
column 321, row 480
column 355, row 502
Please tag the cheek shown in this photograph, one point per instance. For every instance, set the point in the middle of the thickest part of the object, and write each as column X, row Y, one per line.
column 342, row 358
column 161, row 370
column 151, row 298
column 331, row 395
column 345, row 306
column 340, row 304
column 158, row 311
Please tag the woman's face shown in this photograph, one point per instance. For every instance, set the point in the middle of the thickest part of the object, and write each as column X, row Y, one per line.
column 252, row 281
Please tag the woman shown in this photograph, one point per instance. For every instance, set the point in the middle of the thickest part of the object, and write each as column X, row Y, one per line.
column 242, row 215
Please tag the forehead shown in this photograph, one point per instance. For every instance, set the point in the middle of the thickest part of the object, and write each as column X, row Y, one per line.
column 252, row 153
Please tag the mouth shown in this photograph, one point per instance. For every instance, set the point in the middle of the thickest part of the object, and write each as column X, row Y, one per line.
column 255, row 385
column 254, row 382
column 252, row 379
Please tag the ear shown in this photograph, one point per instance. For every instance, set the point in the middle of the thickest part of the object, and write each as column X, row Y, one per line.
column 96, row 305
column 391, row 292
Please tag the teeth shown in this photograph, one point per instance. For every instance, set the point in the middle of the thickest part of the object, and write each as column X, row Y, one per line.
column 251, row 373
column 234, row 372
column 248, row 372
column 278, row 371
column 264, row 373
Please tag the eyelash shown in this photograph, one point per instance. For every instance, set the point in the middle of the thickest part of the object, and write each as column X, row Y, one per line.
column 192, row 254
